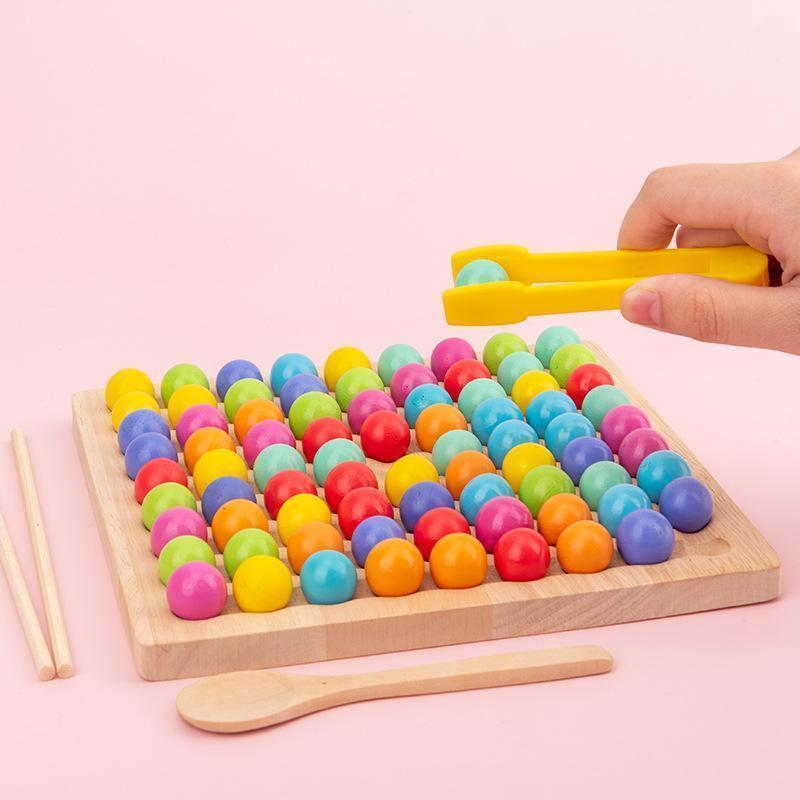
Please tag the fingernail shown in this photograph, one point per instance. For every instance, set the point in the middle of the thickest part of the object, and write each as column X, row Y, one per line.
column 641, row 306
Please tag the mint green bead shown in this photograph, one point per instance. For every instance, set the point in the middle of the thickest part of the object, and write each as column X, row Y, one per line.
column 334, row 452
column 243, row 390
column 355, row 380
column 542, row 483
column 450, row 444
column 567, row 358
column 394, row 357
column 311, row 406
column 164, row 496
column 475, row 392
column 550, row 339
column 598, row 478
column 600, row 401
column 245, row 543
column 500, row 346
column 481, row 270
column 514, row 365
column 181, row 375
column 274, row 459
column 181, row 550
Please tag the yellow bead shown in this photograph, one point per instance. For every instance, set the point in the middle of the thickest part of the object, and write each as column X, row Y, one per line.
column 131, row 401
column 529, row 384
column 186, row 397
column 341, row 360
column 127, row 380
column 298, row 510
column 520, row 460
column 216, row 464
column 405, row 472
column 262, row 583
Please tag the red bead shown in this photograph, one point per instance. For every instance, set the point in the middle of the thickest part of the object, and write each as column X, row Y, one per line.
column 461, row 373
column 521, row 555
column 385, row 436
column 156, row 472
column 360, row 504
column 320, row 431
column 585, row 378
column 283, row 485
column 344, row 478
column 435, row 524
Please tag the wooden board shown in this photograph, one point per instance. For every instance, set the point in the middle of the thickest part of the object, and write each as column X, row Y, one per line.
column 727, row 564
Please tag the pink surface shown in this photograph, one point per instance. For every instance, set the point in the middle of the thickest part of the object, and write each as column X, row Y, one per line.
column 323, row 160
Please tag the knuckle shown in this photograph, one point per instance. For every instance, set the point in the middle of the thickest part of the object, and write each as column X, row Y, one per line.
column 655, row 182
column 705, row 316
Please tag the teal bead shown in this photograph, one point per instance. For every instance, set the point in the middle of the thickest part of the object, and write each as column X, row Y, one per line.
column 598, row 478
column 394, row 357
column 450, row 444
column 333, row 452
column 274, row 459
column 328, row 577
column 550, row 339
column 475, row 392
column 514, row 365
column 600, row 401
column 658, row 469
column 423, row 396
column 500, row 346
column 542, row 483
column 482, row 270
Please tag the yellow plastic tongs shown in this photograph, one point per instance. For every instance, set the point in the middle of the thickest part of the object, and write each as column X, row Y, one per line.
column 560, row 283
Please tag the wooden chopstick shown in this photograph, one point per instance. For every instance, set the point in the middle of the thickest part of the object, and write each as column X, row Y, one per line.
column 44, row 563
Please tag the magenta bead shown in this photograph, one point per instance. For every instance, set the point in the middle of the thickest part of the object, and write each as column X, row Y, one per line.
column 408, row 377
column 447, row 352
column 365, row 403
column 196, row 591
column 498, row 516
column 262, row 435
column 197, row 417
column 178, row 521
column 637, row 445
column 619, row 422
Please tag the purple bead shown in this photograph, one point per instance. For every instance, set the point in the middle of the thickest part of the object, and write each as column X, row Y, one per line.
column 619, row 422
column 262, row 435
column 498, row 516
column 581, row 453
column 174, row 522
column 687, row 504
column 645, row 537
column 408, row 377
column 197, row 417
column 300, row 384
column 369, row 532
column 365, row 403
column 447, row 352
column 196, row 591
column 637, row 445
column 421, row 498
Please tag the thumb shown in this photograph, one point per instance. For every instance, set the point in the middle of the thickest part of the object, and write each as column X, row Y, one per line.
column 718, row 311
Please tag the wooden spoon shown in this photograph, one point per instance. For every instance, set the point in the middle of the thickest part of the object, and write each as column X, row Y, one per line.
column 244, row 701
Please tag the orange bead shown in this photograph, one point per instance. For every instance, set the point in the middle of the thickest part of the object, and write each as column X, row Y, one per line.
column 394, row 568
column 458, row 561
column 308, row 539
column 584, row 547
column 234, row 516
column 436, row 420
column 558, row 512
column 254, row 411
column 463, row 467
column 203, row 441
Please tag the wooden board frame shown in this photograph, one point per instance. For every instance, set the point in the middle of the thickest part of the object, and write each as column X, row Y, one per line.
column 727, row 564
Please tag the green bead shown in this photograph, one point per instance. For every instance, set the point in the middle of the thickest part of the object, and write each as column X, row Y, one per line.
column 550, row 339
column 542, row 483
column 274, row 459
column 598, row 478
column 481, row 270
column 355, row 380
column 181, row 550
column 450, row 444
column 394, row 357
column 567, row 358
column 333, row 452
column 600, row 401
column 514, row 365
column 475, row 392
column 500, row 346
column 181, row 375
column 243, row 390
column 245, row 543
column 164, row 496
column 311, row 406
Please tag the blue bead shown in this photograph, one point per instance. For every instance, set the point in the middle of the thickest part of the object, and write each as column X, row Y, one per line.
column 546, row 406
column 507, row 435
column 420, row 397
column 645, row 537
column 479, row 491
column 420, row 498
column 490, row 413
column 618, row 502
column 143, row 420
column 369, row 532
column 234, row 371
column 328, row 577
column 287, row 366
column 581, row 453
column 514, row 365
column 482, row 270
column 146, row 447
column 219, row 491
column 564, row 429
column 687, row 504
column 300, row 384
column 658, row 469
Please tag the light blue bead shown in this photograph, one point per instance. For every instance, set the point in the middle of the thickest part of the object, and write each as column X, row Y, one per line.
column 563, row 429
column 507, row 435
column 333, row 452
column 274, row 459
column 482, row 270
column 658, row 469
column 328, row 577
column 617, row 503
column 514, row 365
column 287, row 366
column 475, row 392
column 550, row 339
column 451, row 443
column 546, row 406
column 394, row 357
column 490, row 413
column 420, row 397
column 479, row 491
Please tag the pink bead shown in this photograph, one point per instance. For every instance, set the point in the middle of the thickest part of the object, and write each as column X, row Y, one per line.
column 498, row 516
column 196, row 591
column 365, row 403
column 197, row 417
column 408, row 377
column 619, row 422
column 447, row 352
column 637, row 445
column 174, row 522
column 262, row 435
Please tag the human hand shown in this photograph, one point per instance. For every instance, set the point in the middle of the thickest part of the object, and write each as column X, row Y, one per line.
column 717, row 205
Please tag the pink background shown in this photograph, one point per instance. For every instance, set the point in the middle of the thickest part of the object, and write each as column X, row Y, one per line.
column 201, row 181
